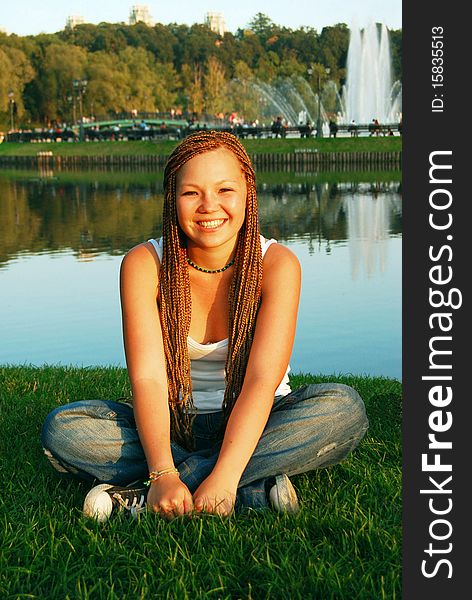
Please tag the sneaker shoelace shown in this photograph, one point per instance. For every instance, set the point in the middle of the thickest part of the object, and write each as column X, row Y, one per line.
column 134, row 507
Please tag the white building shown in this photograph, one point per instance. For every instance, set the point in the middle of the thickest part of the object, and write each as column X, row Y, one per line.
column 215, row 22
column 73, row 21
column 140, row 14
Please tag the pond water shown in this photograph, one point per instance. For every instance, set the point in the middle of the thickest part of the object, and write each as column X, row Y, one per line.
column 63, row 235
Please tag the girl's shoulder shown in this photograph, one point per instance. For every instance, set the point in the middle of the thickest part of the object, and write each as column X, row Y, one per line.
column 266, row 243
column 280, row 265
column 157, row 246
column 274, row 253
column 142, row 261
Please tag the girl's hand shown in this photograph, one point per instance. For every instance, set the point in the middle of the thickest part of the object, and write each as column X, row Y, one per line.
column 216, row 496
column 169, row 497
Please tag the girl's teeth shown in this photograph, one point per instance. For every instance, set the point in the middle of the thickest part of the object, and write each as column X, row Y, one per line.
column 210, row 224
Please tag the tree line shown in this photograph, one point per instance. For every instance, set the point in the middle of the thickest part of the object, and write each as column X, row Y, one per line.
column 164, row 67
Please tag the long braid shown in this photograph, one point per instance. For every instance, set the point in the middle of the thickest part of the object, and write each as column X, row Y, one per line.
column 175, row 302
column 175, row 297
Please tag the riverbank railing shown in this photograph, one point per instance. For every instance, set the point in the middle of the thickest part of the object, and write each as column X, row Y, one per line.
column 143, row 131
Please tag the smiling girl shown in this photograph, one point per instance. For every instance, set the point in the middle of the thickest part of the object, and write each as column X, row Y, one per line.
column 209, row 317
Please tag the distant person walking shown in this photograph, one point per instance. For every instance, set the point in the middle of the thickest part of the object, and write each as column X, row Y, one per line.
column 333, row 128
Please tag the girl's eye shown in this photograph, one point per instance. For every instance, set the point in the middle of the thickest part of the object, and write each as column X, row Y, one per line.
column 224, row 190
column 189, row 193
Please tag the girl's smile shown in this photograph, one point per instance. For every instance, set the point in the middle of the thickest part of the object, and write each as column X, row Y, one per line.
column 214, row 224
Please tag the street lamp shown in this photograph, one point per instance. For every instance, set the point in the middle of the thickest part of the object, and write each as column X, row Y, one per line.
column 71, row 100
column 80, row 85
column 11, row 98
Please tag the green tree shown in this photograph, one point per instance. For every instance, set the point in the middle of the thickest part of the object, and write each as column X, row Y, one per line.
column 108, row 85
column 396, row 52
column 165, row 86
column 6, row 72
column 334, row 43
column 243, row 95
column 159, row 40
column 62, row 64
column 250, row 48
column 191, row 94
column 262, row 26
column 302, row 43
column 162, row 44
column 151, row 86
column 268, row 66
column 215, row 86
column 193, row 44
column 291, row 66
column 108, row 37
column 15, row 72
column 227, row 51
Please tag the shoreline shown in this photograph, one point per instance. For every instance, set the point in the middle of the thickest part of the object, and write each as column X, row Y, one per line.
column 295, row 160
column 296, row 378
column 267, row 153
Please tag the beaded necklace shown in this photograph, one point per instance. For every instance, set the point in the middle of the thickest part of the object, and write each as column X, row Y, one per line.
column 192, row 264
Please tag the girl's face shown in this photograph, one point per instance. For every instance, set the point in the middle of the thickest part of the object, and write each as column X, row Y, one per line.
column 211, row 199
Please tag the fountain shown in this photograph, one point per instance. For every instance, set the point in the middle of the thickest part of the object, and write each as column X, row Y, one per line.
column 292, row 98
column 369, row 93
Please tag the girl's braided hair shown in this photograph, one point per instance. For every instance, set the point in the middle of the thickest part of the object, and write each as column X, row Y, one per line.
column 174, row 289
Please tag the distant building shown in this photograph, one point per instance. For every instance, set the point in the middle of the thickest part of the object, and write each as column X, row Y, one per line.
column 216, row 22
column 140, row 14
column 73, row 21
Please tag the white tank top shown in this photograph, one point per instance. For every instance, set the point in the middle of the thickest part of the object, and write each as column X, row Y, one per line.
column 207, row 361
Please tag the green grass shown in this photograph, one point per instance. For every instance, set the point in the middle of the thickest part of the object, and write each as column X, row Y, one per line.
column 345, row 543
column 347, row 144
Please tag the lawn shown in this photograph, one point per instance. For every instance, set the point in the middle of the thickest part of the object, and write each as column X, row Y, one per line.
column 345, row 543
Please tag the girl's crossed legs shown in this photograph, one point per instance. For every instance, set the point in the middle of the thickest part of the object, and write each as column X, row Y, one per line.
column 315, row 426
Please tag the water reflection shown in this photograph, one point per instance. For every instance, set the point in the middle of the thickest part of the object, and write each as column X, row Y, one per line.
column 62, row 237
column 38, row 216
column 89, row 217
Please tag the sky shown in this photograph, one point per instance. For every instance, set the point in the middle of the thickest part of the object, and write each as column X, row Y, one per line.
column 30, row 17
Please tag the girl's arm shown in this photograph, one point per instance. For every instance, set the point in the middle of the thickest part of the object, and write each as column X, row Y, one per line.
column 268, row 361
column 145, row 359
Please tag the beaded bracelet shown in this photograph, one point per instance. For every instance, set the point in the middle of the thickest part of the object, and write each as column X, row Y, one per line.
column 154, row 475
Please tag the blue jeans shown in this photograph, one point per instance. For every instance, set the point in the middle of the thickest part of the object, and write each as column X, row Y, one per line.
column 315, row 426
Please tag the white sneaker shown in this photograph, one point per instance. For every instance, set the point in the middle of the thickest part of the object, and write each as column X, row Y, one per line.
column 102, row 499
column 283, row 496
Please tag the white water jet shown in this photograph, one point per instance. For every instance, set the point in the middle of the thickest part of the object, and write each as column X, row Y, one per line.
column 291, row 98
column 369, row 93
column 276, row 101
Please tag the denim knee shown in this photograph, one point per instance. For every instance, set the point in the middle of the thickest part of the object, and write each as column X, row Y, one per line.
column 349, row 423
column 345, row 406
column 55, row 438
column 351, row 404
column 63, row 428
column 94, row 439
column 349, row 397
column 52, row 440
column 51, row 427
